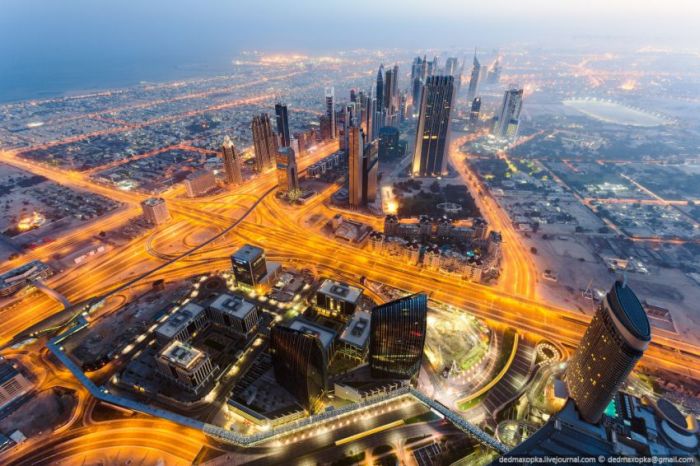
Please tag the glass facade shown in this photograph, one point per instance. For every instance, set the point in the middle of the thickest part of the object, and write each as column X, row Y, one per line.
column 397, row 337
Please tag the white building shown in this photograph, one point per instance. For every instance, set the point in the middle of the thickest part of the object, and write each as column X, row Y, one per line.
column 186, row 366
column 234, row 314
column 182, row 324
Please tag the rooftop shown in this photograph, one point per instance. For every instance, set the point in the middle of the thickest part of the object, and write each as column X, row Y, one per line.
column 233, row 305
column 182, row 355
column 7, row 371
column 248, row 253
column 325, row 335
column 356, row 332
column 629, row 310
column 179, row 320
column 341, row 291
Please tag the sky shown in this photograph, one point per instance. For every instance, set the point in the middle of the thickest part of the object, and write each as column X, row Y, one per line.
column 54, row 43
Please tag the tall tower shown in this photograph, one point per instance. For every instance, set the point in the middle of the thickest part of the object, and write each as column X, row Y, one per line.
column 433, row 132
column 287, row 174
column 508, row 121
column 282, row 124
column 474, row 79
column 370, row 168
column 451, row 66
column 264, row 141
column 330, row 110
column 379, row 94
column 474, row 112
column 397, row 337
column 613, row 343
column 355, row 149
column 299, row 364
column 232, row 165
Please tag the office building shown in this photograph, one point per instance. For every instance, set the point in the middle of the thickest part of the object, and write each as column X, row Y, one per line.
column 494, row 74
column 508, row 118
column 235, row 314
column 613, row 343
column 633, row 429
column 354, row 339
column 282, row 124
column 391, row 98
column 300, row 363
column 155, row 211
column 355, row 155
column 186, row 366
column 182, row 324
column 474, row 113
column 397, row 337
column 433, row 132
column 474, row 79
column 13, row 384
column 200, row 183
column 264, row 142
column 337, row 299
column 379, row 92
column 370, row 171
column 249, row 266
column 287, row 172
column 451, row 66
column 388, row 144
column 330, row 112
column 232, row 163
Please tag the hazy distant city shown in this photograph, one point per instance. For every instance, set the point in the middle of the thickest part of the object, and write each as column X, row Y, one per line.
column 370, row 256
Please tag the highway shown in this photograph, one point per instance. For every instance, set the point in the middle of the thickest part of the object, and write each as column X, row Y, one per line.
column 247, row 214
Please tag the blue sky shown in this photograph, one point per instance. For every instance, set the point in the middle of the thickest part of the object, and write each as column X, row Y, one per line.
column 44, row 38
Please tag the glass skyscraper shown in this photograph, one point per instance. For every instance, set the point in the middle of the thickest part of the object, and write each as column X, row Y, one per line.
column 433, row 132
column 299, row 364
column 397, row 337
column 613, row 343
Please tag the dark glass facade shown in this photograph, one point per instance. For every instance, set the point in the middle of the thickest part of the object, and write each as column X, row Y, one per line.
column 613, row 343
column 249, row 265
column 389, row 148
column 299, row 364
column 282, row 124
column 433, row 132
column 397, row 337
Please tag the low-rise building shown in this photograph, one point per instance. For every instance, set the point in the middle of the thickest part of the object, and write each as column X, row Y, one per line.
column 200, row 183
column 235, row 314
column 182, row 324
column 354, row 340
column 337, row 299
column 13, row 384
column 185, row 366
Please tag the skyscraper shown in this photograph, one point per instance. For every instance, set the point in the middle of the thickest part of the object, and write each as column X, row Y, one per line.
column 613, row 343
column 355, row 153
column 299, row 364
column 287, row 175
column 494, row 74
column 508, row 119
column 397, row 337
column 433, row 132
column 391, row 96
column 282, row 124
column 474, row 79
column 389, row 148
column 451, row 66
column 155, row 211
column 474, row 113
column 264, row 141
column 370, row 168
column 330, row 110
column 232, row 165
column 379, row 96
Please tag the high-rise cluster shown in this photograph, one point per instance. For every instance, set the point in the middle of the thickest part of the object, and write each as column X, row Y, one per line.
column 264, row 141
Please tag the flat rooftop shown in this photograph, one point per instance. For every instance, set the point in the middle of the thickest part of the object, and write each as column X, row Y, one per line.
column 325, row 335
column 179, row 320
column 232, row 305
column 182, row 355
column 340, row 291
column 22, row 272
column 248, row 253
column 356, row 332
